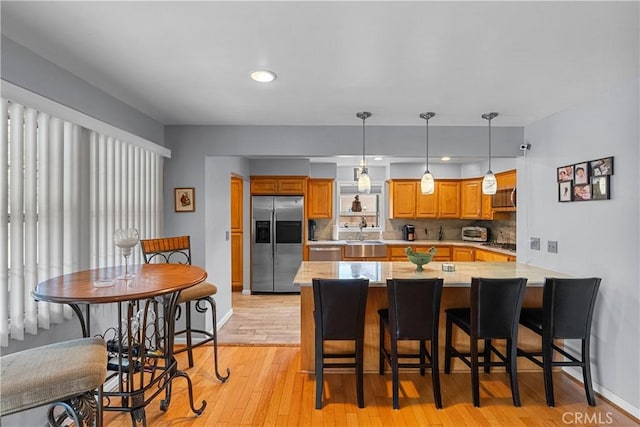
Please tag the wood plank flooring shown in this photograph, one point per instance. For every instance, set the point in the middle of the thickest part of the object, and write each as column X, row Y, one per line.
column 266, row 388
column 263, row 319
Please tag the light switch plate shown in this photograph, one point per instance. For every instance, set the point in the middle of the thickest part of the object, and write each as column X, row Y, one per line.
column 534, row 243
column 552, row 246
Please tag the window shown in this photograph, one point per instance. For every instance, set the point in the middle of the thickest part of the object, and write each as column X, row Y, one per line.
column 371, row 214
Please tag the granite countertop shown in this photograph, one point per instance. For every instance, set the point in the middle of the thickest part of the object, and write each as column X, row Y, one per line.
column 466, row 243
column 378, row 272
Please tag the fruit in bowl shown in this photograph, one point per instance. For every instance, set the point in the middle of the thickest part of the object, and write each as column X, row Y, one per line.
column 420, row 258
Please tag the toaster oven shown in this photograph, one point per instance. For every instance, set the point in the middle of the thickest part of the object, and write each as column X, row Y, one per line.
column 474, row 234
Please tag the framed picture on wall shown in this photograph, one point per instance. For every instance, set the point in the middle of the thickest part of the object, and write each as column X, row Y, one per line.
column 600, row 188
column 564, row 191
column 602, row 167
column 581, row 173
column 565, row 173
column 185, row 199
column 581, row 192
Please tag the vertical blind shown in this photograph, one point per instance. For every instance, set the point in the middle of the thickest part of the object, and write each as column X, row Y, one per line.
column 65, row 190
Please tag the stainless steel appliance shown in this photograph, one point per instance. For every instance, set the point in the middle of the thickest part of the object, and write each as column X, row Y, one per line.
column 276, row 249
column 474, row 234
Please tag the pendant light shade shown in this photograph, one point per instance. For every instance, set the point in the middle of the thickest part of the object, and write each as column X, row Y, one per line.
column 427, row 184
column 364, row 182
column 489, row 183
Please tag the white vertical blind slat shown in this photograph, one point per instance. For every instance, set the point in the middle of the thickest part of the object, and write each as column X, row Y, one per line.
column 30, row 219
column 16, row 245
column 44, row 262
column 56, row 184
column 4, row 222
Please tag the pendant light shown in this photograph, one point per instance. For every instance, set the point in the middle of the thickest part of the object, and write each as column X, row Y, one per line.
column 427, row 185
column 489, row 184
column 364, row 182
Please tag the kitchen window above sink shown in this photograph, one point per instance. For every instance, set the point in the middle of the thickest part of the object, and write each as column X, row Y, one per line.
column 369, row 218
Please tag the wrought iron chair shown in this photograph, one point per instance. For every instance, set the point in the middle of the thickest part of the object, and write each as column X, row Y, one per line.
column 178, row 250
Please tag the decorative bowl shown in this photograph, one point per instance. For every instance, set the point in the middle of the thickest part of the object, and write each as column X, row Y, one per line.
column 420, row 258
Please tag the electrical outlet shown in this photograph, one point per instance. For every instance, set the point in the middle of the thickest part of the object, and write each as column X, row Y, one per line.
column 534, row 243
column 552, row 246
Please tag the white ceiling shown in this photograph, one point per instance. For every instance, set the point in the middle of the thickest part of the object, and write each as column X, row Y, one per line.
column 189, row 62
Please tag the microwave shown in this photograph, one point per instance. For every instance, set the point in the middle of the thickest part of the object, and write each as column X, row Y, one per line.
column 474, row 234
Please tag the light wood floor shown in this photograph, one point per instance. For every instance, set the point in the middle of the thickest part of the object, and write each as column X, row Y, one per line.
column 266, row 388
column 263, row 319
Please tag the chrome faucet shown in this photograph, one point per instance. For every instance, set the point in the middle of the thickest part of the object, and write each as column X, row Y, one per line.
column 363, row 224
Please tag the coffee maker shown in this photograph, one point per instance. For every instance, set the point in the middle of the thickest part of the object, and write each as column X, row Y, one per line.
column 409, row 232
column 313, row 224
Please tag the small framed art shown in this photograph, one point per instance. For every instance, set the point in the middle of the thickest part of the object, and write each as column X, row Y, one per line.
column 581, row 192
column 185, row 199
column 564, row 191
column 600, row 188
column 565, row 173
column 581, row 173
column 602, row 167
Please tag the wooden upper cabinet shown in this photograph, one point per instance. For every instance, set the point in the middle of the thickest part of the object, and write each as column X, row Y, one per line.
column 471, row 199
column 319, row 198
column 448, row 199
column 402, row 199
column 507, row 180
column 426, row 204
column 236, row 204
column 294, row 185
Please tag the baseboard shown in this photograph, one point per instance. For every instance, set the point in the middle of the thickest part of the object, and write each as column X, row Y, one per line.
column 613, row 398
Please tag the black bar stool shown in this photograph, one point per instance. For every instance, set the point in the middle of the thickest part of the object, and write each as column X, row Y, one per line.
column 413, row 314
column 566, row 313
column 494, row 314
column 339, row 308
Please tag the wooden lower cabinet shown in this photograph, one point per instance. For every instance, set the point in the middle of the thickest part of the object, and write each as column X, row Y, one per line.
column 397, row 253
column 463, row 254
column 490, row 256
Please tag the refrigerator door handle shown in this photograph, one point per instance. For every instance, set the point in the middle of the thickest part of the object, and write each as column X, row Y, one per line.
column 273, row 234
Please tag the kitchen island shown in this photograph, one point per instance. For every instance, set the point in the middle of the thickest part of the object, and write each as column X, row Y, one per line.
column 455, row 294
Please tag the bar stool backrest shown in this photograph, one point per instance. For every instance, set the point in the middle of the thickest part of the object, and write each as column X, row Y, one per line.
column 171, row 250
column 495, row 306
column 414, row 307
column 568, row 306
column 339, row 307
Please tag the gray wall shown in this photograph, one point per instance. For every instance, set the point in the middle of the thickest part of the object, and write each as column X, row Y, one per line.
column 24, row 68
column 596, row 238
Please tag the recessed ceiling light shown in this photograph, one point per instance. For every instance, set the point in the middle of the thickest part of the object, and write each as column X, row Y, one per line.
column 263, row 76
column 445, row 158
column 377, row 159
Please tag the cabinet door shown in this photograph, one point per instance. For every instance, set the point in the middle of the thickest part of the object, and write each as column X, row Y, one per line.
column 443, row 252
column 236, row 204
column 463, row 254
column 320, row 198
column 263, row 185
column 290, row 186
column 426, row 204
column 403, row 199
column 489, row 256
column 506, row 180
column 471, row 199
column 487, row 208
column 448, row 199
column 236, row 261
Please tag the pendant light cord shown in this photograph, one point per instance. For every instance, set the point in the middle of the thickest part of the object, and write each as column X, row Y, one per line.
column 427, row 153
column 363, row 139
column 490, row 143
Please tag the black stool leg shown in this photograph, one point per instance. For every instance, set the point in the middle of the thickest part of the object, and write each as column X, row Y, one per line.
column 187, row 307
column 435, row 374
column 487, row 356
column 423, row 358
column 512, row 351
column 475, row 381
column 447, row 346
column 360, row 371
column 586, row 372
column 381, row 347
column 547, row 364
column 214, row 315
column 319, row 368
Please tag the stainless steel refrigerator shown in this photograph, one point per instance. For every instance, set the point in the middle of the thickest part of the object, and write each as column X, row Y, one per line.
column 277, row 242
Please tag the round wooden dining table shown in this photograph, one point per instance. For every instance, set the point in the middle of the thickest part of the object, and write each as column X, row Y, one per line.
column 141, row 352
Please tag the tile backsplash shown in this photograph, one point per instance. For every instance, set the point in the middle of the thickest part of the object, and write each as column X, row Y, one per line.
column 503, row 231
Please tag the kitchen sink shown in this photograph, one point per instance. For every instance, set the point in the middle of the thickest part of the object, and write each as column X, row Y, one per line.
column 365, row 249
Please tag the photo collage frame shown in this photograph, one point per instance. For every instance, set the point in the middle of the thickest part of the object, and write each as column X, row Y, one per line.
column 585, row 181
